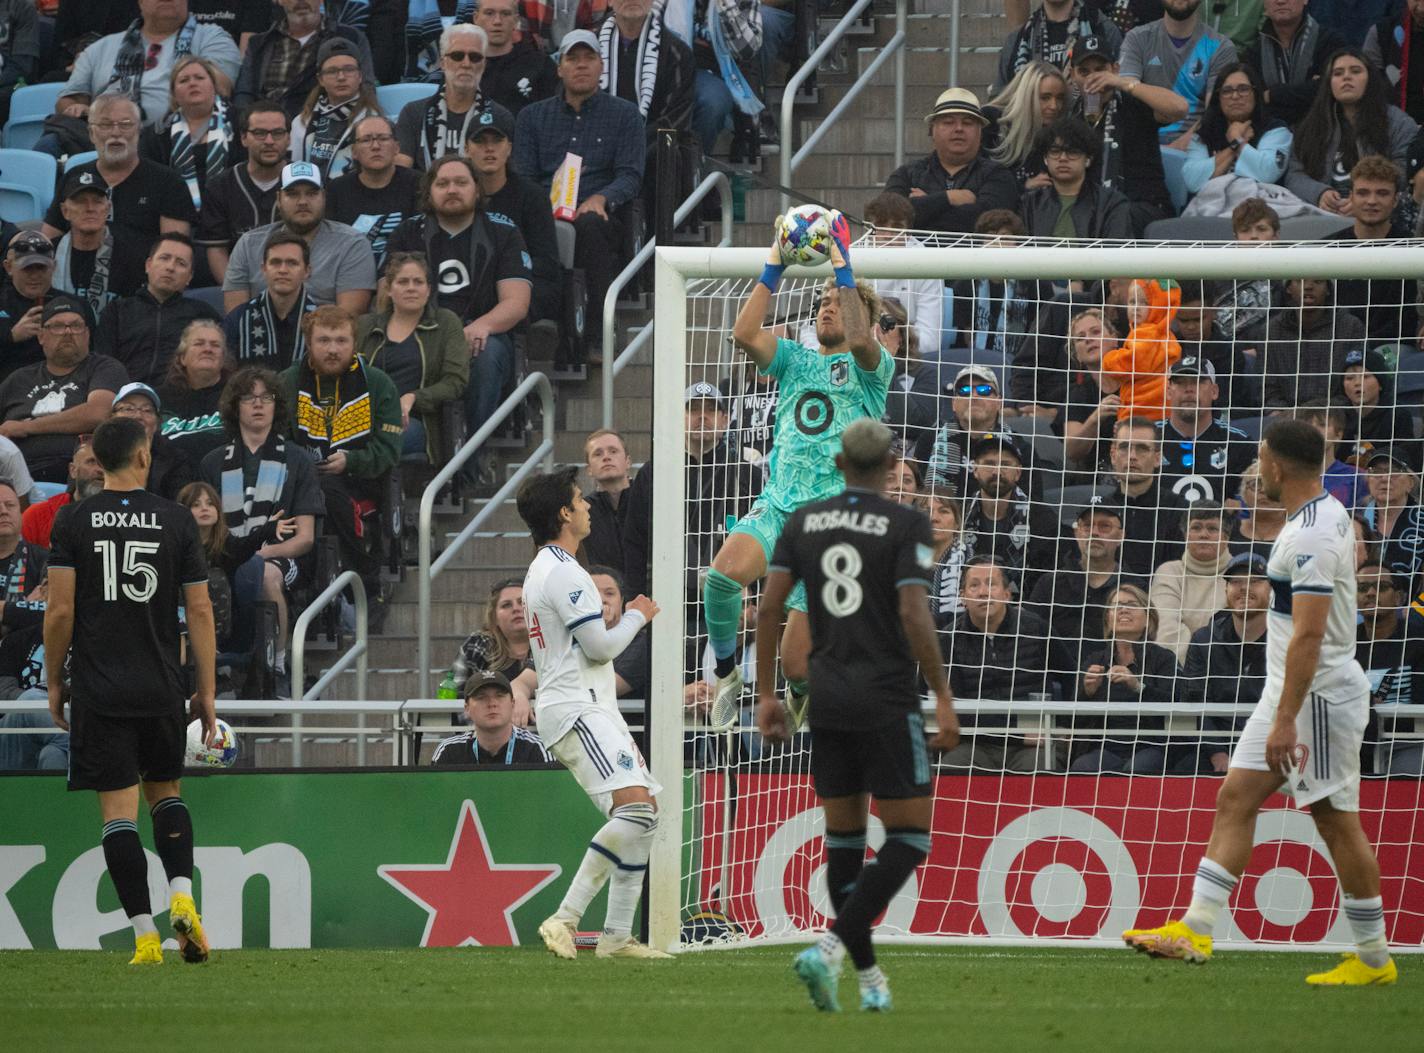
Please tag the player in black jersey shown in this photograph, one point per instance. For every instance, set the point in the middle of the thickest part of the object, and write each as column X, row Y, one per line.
column 866, row 563
column 121, row 565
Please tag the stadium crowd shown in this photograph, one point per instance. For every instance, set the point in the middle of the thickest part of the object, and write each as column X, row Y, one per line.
column 304, row 297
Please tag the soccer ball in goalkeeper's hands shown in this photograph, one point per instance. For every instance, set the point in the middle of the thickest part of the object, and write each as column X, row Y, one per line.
column 803, row 236
column 221, row 754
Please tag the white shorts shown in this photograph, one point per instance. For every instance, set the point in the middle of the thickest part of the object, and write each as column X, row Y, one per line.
column 603, row 757
column 1329, row 729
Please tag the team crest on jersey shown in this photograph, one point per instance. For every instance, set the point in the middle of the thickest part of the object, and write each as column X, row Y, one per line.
column 625, row 760
column 1019, row 535
column 840, row 373
column 574, row 596
column 1301, row 561
column 1218, row 459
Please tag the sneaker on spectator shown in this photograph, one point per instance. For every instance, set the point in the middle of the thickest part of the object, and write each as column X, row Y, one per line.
column 769, row 131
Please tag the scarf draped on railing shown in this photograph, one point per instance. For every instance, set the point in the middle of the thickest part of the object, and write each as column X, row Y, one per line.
column 183, row 158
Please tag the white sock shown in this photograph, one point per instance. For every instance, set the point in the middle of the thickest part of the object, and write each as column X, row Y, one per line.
column 1366, row 917
column 180, row 886
column 625, row 886
column 279, row 662
column 143, row 925
column 1210, row 891
column 832, row 949
column 616, row 838
column 871, row 977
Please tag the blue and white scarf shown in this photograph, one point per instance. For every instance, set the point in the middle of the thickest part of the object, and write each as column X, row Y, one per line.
column 680, row 19
column 183, row 158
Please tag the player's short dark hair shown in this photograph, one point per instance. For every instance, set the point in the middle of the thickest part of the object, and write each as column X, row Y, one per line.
column 241, row 384
column 115, row 441
column 609, row 572
column 175, row 236
column 1297, row 443
column 542, row 498
column 286, row 237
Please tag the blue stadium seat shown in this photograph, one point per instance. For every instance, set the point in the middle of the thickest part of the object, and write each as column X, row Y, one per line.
column 1252, row 426
column 26, row 184
column 1409, row 375
column 394, row 96
column 1172, row 162
column 29, row 107
column 212, row 295
column 80, row 159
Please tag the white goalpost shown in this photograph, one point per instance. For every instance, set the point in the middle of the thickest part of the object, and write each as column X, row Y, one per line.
column 1040, row 854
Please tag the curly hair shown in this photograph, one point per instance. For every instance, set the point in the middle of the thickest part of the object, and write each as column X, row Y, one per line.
column 240, row 385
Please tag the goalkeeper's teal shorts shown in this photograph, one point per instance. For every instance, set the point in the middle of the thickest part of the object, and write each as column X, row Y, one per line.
column 765, row 522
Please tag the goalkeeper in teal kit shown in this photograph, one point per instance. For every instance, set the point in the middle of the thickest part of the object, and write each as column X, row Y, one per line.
column 820, row 393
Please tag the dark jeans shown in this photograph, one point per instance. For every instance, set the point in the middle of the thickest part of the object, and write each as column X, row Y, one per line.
column 598, row 250
column 490, row 371
column 340, row 491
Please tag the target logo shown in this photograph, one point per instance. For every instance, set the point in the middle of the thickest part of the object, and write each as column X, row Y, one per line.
column 1058, row 872
column 1289, row 892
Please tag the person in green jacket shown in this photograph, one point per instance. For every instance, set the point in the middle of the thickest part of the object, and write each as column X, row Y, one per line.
column 348, row 415
column 421, row 347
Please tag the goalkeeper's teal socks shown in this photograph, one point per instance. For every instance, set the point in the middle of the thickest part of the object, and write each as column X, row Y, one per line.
column 722, row 608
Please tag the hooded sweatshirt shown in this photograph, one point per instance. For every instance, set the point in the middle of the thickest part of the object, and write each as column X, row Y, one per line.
column 1144, row 358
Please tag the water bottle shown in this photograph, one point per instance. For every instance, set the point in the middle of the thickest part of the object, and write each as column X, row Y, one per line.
column 448, row 688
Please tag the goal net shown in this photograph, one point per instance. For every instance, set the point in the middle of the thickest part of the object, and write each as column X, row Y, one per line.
column 1080, row 421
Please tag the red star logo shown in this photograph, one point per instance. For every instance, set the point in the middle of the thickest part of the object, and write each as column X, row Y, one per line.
column 470, row 898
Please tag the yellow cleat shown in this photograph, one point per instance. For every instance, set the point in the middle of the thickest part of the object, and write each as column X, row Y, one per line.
column 148, row 950
column 1173, row 940
column 183, row 916
column 558, row 937
column 1351, row 972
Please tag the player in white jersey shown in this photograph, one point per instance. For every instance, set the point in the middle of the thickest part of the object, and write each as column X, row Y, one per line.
column 576, row 710
column 1304, row 736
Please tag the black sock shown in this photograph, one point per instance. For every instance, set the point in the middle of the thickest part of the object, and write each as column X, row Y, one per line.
column 128, row 866
column 173, row 837
column 845, row 856
column 724, row 666
column 879, row 881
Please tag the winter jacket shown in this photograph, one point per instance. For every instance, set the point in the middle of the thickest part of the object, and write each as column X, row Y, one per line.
column 1308, row 188
column 380, row 449
column 445, row 364
column 143, row 334
column 1299, row 361
column 1098, row 212
column 992, row 184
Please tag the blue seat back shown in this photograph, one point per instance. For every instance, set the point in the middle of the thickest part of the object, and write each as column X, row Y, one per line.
column 29, row 106
column 26, row 184
column 394, row 96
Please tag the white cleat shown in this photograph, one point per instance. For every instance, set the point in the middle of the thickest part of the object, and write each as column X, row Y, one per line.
column 626, row 947
column 727, row 704
column 558, row 937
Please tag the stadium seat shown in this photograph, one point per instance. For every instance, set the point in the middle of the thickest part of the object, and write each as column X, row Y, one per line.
column 1172, row 163
column 212, row 295
column 1409, row 376
column 1252, row 426
column 74, row 160
column 29, row 107
column 26, row 184
column 1218, row 228
column 1070, row 499
column 394, row 96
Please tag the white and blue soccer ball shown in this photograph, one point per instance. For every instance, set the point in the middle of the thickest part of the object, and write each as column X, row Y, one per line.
column 222, row 754
column 804, row 236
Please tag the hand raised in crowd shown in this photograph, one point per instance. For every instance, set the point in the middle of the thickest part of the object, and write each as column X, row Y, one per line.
column 1109, row 404
column 1034, row 182
column 28, row 327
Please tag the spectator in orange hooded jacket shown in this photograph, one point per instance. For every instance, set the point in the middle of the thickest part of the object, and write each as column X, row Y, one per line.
column 1144, row 358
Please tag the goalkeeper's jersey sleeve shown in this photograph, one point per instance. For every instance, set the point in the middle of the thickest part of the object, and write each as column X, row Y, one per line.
column 819, row 396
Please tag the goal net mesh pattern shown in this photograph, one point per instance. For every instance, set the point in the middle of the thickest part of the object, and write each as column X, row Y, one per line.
column 1097, row 440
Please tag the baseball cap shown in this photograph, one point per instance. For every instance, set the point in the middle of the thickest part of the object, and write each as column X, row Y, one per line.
column 67, row 305
column 494, row 119
column 1089, row 47
column 138, row 388
column 1101, row 508
column 301, row 172
column 78, row 180
column 1372, row 360
column 954, row 100
column 486, row 678
column 984, row 373
column 1252, row 563
column 575, row 38
column 1402, row 454
column 703, row 390
column 994, row 440
column 31, row 247
column 1192, row 366
column 335, row 47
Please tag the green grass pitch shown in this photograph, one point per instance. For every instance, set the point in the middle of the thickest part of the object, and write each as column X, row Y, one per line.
column 964, row 999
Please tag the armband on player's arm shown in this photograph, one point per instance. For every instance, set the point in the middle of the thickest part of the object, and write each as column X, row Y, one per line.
column 603, row 644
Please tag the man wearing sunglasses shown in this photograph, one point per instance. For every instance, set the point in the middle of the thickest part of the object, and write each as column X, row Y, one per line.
column 428, row 129
column 1202, row 456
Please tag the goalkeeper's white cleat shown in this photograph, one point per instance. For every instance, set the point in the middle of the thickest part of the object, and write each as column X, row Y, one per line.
column 558, row 937
column 626, row 947
column 727, row 703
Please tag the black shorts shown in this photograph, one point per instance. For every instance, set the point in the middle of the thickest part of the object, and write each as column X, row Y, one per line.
column 890, row 761
column 111, row 753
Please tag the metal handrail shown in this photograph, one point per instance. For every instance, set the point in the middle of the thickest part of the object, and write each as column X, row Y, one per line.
column 428, row 570
column 894, row 47
column 614, row 365
column 355, row 653
column 954, row 44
